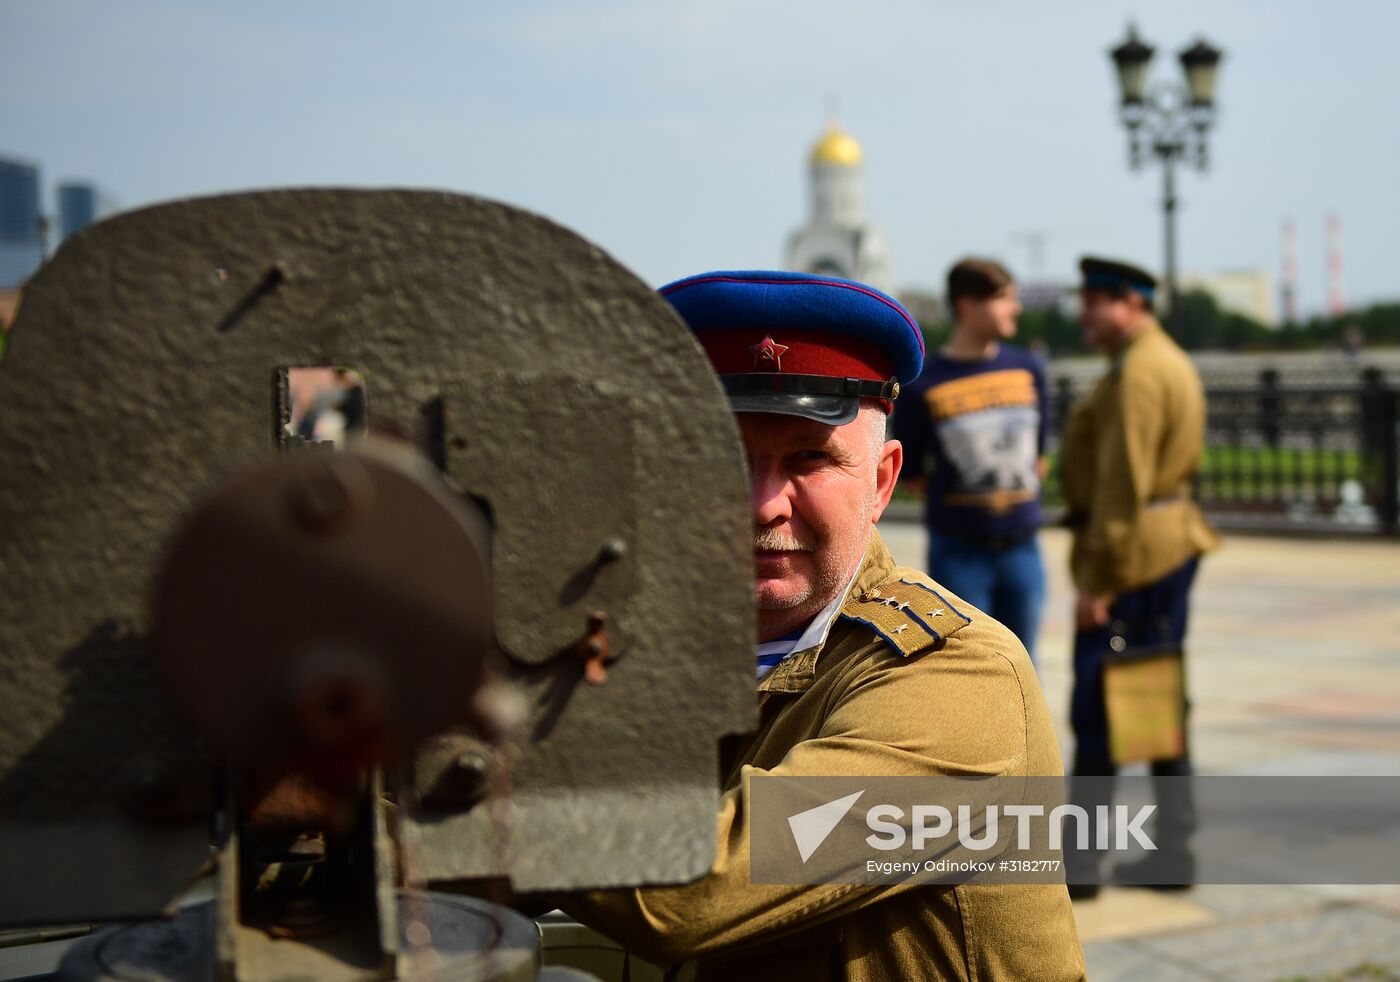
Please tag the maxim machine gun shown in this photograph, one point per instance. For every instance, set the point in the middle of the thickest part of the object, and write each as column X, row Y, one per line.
column 495, row 642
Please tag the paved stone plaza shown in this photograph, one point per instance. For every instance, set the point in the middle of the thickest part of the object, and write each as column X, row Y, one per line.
column 1294, row 668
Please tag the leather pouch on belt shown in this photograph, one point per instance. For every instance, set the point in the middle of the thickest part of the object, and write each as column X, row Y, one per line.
column 1144, row 694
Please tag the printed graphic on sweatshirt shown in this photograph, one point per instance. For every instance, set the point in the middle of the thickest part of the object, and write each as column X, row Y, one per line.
column 988, row 425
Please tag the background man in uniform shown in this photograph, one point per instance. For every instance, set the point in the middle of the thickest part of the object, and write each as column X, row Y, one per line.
column 974, row 428
column 1131, row 449
column 864, row 667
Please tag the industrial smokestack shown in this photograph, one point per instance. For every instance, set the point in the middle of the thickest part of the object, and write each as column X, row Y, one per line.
column 1290, row 272
column 1336, row 303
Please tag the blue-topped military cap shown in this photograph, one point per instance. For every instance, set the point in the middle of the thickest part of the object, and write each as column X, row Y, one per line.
column 799, row 343
column 1110, row 274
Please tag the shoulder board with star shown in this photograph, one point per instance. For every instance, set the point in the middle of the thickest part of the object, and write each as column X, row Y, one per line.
column 910, row 616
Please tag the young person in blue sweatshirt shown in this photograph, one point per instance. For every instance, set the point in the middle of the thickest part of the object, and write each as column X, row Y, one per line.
column 974, row 428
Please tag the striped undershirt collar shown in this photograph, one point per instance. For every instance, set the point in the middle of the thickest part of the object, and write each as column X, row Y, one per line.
column 770, row 653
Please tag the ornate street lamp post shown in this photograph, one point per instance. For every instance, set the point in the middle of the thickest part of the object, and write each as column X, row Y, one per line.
column 1169, row 121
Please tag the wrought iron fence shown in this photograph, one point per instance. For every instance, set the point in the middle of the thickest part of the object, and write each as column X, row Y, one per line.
column 1300, row 452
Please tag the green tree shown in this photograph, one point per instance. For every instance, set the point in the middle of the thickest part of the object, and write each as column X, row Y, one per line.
column 1061, row 335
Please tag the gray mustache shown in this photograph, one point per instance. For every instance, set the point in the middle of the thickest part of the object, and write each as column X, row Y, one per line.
column 773, row 540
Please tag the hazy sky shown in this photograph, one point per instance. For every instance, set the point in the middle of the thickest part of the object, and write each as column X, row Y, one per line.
column 675, row 134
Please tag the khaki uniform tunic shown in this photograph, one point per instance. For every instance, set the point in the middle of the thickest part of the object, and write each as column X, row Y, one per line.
column 1130, row 452
column 936, row 688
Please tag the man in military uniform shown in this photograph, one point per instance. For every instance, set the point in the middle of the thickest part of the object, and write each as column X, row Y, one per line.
column 864, row 667
column 1130, row 451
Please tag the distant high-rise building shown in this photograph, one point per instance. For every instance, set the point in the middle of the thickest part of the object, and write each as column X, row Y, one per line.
column 837, row 240
column 1049, row 295
column 77, row 207
column 1247, row 292
column 19, row 203
column 21, row 244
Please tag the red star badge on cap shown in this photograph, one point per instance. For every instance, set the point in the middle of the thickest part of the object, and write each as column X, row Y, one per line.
column 767, row 353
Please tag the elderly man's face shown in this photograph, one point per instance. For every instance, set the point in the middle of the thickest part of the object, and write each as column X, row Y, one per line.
column 817, row 490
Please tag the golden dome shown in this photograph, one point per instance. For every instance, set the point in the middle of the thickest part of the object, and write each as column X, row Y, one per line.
column 836, row 147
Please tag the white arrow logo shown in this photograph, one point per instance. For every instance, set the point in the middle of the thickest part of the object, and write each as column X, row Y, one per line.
column 810, row 828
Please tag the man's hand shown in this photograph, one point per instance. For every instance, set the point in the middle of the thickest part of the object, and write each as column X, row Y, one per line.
column 1090, row 611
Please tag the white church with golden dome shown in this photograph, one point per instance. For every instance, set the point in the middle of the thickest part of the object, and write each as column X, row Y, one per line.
column 837, row 240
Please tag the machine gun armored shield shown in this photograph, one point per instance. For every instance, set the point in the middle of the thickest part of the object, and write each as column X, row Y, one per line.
column 498, row 641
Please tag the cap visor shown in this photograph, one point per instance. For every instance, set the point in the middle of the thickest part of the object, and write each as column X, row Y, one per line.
column 831, row 410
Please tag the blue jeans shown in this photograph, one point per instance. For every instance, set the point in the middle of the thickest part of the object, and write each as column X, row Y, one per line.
column 1008, row 584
